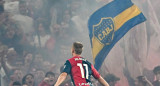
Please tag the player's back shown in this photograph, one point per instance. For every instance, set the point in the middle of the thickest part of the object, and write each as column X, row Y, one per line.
column 81, row 71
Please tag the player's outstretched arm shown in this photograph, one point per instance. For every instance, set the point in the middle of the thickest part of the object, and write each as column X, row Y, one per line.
column 102, row 81
column 61, row 78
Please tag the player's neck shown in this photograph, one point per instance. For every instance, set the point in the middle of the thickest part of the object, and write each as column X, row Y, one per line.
column 75, row 55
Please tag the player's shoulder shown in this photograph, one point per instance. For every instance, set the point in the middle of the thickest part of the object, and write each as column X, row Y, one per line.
column 71, row 59
column 86, row 61
column 67, row 62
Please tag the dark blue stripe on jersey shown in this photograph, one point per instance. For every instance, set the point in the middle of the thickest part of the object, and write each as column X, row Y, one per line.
column 72, row 80
column 67, row 67
column 89, row 71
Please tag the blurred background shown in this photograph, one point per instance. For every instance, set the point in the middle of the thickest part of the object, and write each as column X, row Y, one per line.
column 36, row 37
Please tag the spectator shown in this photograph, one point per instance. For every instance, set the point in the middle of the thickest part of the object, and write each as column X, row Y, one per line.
column 46, row 65
column 142, row 81
column 11, row 35
column 3, row 69
column 27, row 62
column 38, row 61
column 39, row 76
column 18, row 75
column 111, row 79
column 24, row 22
column 28, row 80
column 156, row 71
column 8, row 62
column 11, row 56
column 28, row 58
column 19, row 63
column 49, row 79
column 42, row 37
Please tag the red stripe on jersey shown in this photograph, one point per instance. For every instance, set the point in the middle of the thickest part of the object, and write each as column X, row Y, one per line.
column 77, row 71
column 95, row 72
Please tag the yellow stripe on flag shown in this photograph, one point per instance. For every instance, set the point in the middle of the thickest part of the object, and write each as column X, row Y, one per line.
column 97, row 47
column 126, row 15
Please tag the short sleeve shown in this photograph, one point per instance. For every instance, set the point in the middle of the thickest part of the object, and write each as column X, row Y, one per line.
column 67, row 67
column 95, row 73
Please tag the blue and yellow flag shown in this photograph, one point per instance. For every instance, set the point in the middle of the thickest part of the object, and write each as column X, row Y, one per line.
column 109, row 24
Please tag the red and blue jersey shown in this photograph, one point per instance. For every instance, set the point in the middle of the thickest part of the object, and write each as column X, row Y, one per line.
column 80, row 71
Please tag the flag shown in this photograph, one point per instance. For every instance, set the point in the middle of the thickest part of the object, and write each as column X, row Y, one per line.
column 109, row 24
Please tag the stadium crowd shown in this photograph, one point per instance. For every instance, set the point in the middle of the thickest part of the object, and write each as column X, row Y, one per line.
column 33, row 36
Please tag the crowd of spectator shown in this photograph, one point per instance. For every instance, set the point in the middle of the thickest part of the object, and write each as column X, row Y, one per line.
column 33, row 36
